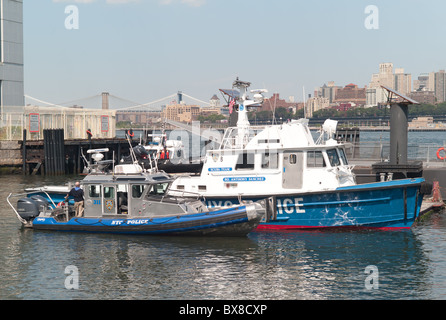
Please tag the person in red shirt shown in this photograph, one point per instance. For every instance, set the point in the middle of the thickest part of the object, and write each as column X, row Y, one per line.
column 164, row 154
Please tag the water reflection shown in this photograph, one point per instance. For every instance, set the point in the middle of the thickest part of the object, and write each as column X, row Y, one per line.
column 304, row 265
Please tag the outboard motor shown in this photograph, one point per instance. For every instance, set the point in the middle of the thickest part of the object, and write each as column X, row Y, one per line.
column 27, row 208
column 42, row 203
column 140, row 152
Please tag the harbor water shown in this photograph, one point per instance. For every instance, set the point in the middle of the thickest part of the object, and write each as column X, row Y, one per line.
column 265, row 265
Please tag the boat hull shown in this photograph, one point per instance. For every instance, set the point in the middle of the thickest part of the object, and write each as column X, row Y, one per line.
column 384, row 205
column 229, row 222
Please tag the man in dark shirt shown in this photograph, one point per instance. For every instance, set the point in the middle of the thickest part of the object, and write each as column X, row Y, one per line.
column 78, row 194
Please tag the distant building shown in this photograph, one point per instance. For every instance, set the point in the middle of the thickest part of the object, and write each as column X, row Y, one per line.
column 430, row 83
column 422, row 122
column 422, row 83
column 426, row 97
column 350, row 94
column 327, row 91
column 275, row 102
column 11, row 53
column 315, row 104
column 181, row 112
column 440, row 86
column 214, row 101
column 138, row 116
column 376, row 95
column 399, row 81
column 210, row 111
column 403, row 81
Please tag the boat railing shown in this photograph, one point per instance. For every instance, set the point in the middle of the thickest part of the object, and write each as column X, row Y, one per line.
column 379, row 151
column 183, row 193
column 234, row 135
column 26, row 194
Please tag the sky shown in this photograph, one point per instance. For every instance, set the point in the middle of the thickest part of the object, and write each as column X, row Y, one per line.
column 143, row 50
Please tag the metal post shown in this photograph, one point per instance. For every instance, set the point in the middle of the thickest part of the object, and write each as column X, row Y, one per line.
column 398, row 133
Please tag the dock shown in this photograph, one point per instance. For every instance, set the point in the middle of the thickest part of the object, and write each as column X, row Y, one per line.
column 429, row 205
column 57, row 156
column 433, row 203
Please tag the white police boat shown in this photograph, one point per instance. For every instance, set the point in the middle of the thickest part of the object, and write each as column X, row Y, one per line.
column 307, row 183
column 131, row 200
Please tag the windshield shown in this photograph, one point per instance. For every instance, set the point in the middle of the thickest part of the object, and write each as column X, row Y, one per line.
column 333, row 157
column 159, row 189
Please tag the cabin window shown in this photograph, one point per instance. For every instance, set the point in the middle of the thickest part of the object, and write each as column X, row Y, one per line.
column 343, row 157
column 245, row 161
column 293, row 158
column 137, row 190
column 109, row 192
column 315, row 159
column 269, row 141
column 333, row 157
column 270, row 160
column 159, row 189
column 94, row 191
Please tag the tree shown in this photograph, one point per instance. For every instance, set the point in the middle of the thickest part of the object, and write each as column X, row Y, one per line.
column 211, row 118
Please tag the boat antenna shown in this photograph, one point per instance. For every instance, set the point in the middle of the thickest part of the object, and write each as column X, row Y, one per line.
column 273, row 108
column 305, row 111
column 113, row 165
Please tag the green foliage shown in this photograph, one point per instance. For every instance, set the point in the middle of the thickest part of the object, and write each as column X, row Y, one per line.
column 279, row 113
column 414, row 110
column 428, row 109
column 123, row 124
column 211, row 118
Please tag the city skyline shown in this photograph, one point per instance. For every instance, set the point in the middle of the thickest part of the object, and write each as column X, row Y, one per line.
column 143, row 50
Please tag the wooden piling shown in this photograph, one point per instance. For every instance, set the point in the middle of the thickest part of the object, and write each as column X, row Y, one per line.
column 24, row 169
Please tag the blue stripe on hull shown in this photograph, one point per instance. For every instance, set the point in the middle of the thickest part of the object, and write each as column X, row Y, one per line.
column 227, row 222
column 393, row 204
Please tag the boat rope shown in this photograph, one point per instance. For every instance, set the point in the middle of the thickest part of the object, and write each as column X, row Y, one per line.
column 90, row 224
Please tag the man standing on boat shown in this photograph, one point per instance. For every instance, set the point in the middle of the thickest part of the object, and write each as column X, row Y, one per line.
column 78, row 194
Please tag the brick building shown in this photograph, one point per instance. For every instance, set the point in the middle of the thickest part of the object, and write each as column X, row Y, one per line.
column 426, row 97
column 275, row 102
column 181, row 112
column 138, row 117
column 350, row 93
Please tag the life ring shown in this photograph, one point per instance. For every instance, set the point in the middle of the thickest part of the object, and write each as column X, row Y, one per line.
column 60, row 204
column 438, row 153
column 131, row 134
column 89, row 133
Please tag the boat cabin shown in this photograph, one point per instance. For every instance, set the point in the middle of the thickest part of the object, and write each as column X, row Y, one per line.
column 282, row 158
column 133, row 196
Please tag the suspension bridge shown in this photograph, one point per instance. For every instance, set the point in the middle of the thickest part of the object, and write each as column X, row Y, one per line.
column 121, row 104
